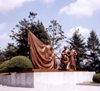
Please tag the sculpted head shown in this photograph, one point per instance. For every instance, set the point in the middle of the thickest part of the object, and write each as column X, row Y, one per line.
column 71, row 47
column 47, row 42
column 65, row 47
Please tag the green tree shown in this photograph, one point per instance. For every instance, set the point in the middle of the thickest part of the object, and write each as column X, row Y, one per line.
column 56, row 34
column 77, row 41
column 21, row 37
column 1, row 56
column 93, row 43
column 8, row 52
column 93, row 46
column 40, row 33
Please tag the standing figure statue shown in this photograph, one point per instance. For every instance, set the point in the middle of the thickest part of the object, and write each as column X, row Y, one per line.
column 65, row 63
column 73, row 53
column 49, row 52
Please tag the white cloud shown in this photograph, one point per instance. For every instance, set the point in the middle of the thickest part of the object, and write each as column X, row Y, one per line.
column 81, row 8
column 48, row 1
column 4, row 37
column 2, row 26
column 7, row 5
column 82, row 31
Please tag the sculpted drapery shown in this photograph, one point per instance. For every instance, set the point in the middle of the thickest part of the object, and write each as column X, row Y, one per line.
column 42, row 55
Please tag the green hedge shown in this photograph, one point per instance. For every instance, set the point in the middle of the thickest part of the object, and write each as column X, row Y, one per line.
column 3, row 66
column 19, row 63
column 96, row 78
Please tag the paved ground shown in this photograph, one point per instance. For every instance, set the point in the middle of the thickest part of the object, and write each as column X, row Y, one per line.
column 60, row 88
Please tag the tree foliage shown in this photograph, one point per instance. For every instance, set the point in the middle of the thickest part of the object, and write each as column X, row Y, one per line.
column 56, row 34
column 8, row 52
column 21, row 37
column 77, row 41
column 40, row 33
column 93, row 43
column 93, row 46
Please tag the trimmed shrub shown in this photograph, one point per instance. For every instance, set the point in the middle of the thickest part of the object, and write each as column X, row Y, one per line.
column 19, row 63
column 96, row 78
column 3, row 66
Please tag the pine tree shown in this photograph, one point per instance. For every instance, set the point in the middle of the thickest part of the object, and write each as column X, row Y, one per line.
column 93, row 46
column 21, row 37
column 56, row 34
column 93, row 42
column 77, row 41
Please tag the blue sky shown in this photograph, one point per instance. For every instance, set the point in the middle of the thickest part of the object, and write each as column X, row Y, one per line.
column 70, row 14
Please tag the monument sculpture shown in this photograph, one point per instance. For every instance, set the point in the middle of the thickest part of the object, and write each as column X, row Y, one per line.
column 65, row 63
column 73, row 53
column 42, row 55
column 68, row 59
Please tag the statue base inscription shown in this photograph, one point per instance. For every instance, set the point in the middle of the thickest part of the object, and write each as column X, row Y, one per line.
column 40, row 78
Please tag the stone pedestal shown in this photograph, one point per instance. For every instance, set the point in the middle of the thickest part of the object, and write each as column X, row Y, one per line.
column 45, row 79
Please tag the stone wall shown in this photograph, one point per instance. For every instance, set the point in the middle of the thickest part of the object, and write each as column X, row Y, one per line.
column 45, row 79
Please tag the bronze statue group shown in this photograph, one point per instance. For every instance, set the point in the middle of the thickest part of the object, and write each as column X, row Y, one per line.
column 43, row 56
column 68, row 59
